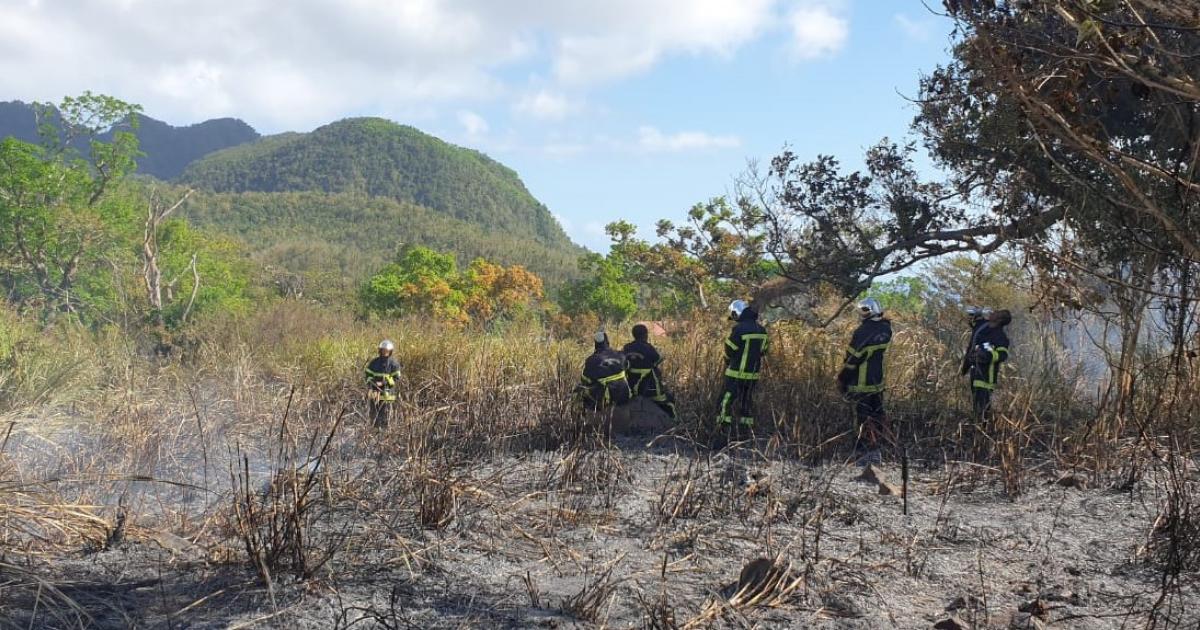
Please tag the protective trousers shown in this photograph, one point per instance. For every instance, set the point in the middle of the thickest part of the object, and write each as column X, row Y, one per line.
column 646, row 383
column 869, row 417
column 739, row 392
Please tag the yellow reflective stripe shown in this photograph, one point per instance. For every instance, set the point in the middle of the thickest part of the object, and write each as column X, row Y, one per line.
column 745, row 376
column 867, row 353
column 746, row 339
column 619, row 376
column 865, row 389
column 983, row 385
column 381, row 374
column 729, row 342
column 991, row 375
column 641, row 376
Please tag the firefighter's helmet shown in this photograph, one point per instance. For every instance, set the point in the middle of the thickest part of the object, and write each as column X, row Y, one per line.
column 870, row 307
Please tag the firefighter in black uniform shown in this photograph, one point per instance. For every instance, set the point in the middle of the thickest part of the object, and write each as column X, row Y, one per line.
column 603, row 384
column 744, row 350
column 977, row 320
column 989, row 348
column 862, row 380
column 645, row 370
column 382, row 375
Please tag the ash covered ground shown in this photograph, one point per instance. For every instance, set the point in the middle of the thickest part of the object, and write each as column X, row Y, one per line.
column 633, row 533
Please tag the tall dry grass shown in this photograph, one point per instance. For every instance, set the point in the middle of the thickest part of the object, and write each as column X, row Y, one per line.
column 217, row 445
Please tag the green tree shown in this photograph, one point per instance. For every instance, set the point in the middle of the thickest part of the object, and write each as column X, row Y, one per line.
column 908, row 294
column 421, row 281
column 605, row 291
column 59, row 224
column 208, row 273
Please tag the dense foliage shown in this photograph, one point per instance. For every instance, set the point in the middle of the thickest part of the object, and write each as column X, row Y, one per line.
column 375, row 157
column 74, row 235
column 321, row 246
column 428, row 283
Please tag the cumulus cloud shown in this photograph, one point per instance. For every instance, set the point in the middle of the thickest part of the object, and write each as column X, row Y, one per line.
column 473, row 124
column 546, row 104
column 817, row 31
column 652, row 140
column 303, row 62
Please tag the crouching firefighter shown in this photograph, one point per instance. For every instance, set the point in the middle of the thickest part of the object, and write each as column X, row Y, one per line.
column 988, row 350
column 862, row 379
column 382, row 376
column 604, row 382
column 645, row 370
column 744, row 351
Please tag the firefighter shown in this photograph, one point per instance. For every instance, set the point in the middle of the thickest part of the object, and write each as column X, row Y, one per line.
column 989, row 348
column 977, row 319
column 604, row 383
column 645, row 370
column 744, row 350
column 862, row 380
column 382, row 375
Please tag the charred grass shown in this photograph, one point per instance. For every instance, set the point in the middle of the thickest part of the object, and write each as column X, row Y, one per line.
column 241, row 484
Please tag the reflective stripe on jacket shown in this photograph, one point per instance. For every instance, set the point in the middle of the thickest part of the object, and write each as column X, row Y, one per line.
column 745, row 347
column 863, row 370
column 986, row 369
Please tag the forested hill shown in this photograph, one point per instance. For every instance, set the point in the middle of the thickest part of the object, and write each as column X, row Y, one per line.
column 333, row 241
column 378, row 158
column 168, row 149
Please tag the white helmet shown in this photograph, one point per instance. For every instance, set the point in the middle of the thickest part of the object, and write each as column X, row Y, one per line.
column 601, row 336
column 735, row 308
column 387, row 345
column 870, row 307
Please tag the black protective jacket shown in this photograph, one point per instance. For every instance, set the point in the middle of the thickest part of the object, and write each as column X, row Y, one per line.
column 863, row 370
column 989, row 351
column 977, row 324
column 745, row 347
column 604, row 380
column 644, row 364
column 382, row 374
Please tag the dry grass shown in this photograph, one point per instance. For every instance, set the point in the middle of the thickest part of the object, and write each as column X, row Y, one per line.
column 252, row 453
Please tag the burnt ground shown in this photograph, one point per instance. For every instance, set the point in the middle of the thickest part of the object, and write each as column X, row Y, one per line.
column 624, row 535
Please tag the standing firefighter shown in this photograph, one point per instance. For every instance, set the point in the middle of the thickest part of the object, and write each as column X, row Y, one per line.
column 977, row 320
column 861, row 379
column 604, row 383
column 744, row 351
column 382, row 374
column 645, row 370
column 989, row 348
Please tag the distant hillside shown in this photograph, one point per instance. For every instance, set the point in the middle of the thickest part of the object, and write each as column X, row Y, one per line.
column 337, row 240
column 375, row 157
column 168, row 149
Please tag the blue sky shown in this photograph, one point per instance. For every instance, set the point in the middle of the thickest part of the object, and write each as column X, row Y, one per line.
column 609, row 109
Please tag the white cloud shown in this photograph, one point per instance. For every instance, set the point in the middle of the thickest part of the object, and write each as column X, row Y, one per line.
column 651, row 140
column 546, row 105
column 298, row 64
column 914, row 29
column 817, row 31
column 473, row 124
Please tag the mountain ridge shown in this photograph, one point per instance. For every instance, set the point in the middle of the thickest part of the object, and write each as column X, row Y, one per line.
column 168, row 149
